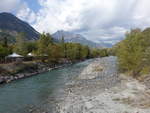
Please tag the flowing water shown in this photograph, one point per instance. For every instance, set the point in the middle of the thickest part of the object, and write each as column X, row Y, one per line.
column 37, row 92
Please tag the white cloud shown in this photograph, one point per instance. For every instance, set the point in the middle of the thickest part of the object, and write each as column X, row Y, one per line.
column 9, row 5
column 109, row 34
column 96, row 19
column 142, row 13
column 59, row 14
column 26, row 14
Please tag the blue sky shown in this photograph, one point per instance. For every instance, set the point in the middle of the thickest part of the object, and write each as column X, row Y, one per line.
column 97, row 20
column 33, row 4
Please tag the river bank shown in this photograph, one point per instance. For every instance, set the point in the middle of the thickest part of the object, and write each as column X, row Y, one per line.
column 16, row 71
column 104, row 90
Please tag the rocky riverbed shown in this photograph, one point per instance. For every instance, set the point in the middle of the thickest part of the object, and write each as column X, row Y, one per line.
column 100, row 89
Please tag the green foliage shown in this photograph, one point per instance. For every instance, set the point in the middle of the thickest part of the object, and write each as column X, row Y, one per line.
column 54, row 53
column 76, row 51
column 5, row 42
column 43, row 43
column 31, row 47
column 101, row 52
column 95, row 53
column 133, row 52
column 46, row 49
column 64, row 48
column 5, row 49
column 21, row 44
column 85, row 52
column 3, row 52
column 71, row 51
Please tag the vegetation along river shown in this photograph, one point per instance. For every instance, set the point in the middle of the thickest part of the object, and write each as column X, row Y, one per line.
column 37, row 92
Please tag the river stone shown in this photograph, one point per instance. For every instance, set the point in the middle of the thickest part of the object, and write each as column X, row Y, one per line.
column 91, row 71
column 121, row 95
column 88, row 105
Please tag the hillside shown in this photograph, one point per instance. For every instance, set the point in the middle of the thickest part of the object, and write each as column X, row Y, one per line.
column 10, row 25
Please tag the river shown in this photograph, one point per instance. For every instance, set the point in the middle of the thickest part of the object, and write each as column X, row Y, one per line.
column 38, row 92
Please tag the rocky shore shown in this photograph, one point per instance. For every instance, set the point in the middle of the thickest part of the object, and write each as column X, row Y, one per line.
column 26, row 71
column 100, row 89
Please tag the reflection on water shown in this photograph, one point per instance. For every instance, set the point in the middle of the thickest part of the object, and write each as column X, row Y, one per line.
column 37, row 92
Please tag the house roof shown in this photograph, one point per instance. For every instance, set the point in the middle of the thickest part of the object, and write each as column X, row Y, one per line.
column 14, row 55
column 30, row 54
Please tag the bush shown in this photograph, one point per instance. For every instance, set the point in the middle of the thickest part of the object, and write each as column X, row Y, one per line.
column 134, row 53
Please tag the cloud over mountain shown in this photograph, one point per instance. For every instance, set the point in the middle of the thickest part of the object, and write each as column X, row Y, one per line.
column 98, row 20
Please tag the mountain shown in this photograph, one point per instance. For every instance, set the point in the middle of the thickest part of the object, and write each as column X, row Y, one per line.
column 72, row 37
column 10, row 26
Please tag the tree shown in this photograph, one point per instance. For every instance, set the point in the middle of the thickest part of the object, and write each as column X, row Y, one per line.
column 54, row 53
column 103, row 52
column 43, row 44
column 31, row 47
column 131, row 52
column 51, row 40
column 5, row 42
column 64, row 48
column 95, row 53
column 73, row 51
column 3, row 52
column 21, row 44
column 78, row 51
column 85, row 52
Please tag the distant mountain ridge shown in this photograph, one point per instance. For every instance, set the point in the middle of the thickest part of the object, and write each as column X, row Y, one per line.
column 75, row 38
column 12, row 25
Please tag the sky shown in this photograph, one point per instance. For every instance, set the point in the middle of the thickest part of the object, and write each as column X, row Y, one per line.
column 98, row 20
